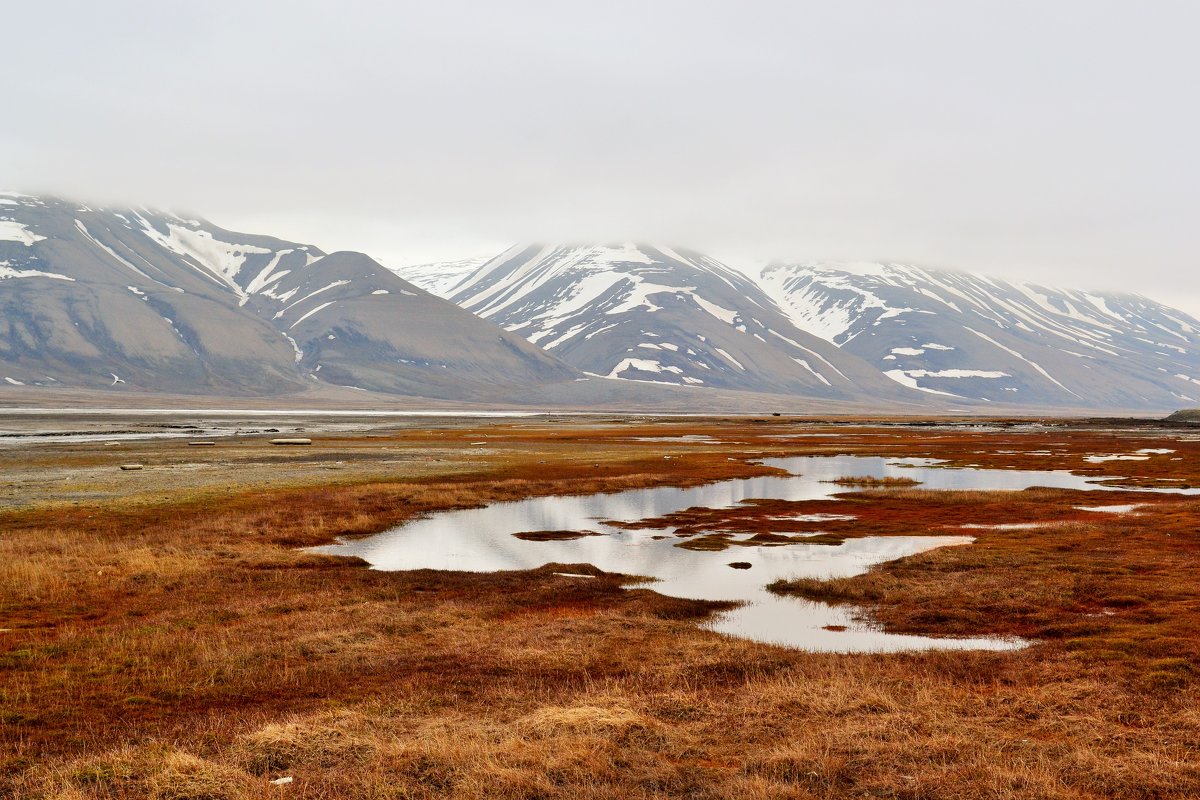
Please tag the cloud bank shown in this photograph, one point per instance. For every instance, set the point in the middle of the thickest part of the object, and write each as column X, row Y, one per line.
column 1053, row 141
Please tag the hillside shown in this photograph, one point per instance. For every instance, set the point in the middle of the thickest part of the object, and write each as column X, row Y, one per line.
column 137, row 299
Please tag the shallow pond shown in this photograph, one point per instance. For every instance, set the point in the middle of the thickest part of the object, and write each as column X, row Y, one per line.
column 481, row 540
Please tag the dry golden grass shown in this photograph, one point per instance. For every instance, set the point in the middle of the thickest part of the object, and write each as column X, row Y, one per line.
column 183, row 649
column 870, row 481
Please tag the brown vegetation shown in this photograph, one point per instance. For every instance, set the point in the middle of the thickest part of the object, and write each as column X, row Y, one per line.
column 870, row 481
column 180, row 647
column 554, row 536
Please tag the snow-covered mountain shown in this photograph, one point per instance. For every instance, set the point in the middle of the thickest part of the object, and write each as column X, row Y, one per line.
column 965, row 336
column 440, row 278
column 134, row 298
column 653, row 313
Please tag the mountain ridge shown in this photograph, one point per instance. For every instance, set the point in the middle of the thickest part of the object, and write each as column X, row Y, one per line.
column 982, row 337
column 154, row 301
column 948, row 334
column 136, row 299
column 660, row 314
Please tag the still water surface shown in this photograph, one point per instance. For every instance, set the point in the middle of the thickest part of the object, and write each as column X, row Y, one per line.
column 480, row 540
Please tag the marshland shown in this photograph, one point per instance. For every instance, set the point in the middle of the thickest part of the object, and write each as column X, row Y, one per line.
column 560, row 607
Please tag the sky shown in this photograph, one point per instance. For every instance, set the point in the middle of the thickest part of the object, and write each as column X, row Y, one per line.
column 1052, row 140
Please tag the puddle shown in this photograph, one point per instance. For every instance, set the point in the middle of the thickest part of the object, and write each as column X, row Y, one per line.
column 813, row 517
column 818, row 435
column 481, row 540
column 21, row 440
column 197, row 429
column 38, row 411
column 1110, row 509
column 1139, row 455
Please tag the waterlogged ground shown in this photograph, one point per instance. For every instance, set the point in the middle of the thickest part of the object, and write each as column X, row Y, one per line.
column 482, row 540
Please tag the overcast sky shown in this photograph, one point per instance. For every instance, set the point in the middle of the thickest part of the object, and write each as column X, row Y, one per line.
column 1047, row 140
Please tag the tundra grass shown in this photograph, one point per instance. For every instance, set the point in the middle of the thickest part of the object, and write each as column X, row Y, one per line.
column 179, row 645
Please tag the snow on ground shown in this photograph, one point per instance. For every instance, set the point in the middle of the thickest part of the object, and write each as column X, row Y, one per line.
column 642, row 364
column 119, row 259
column 296, row 348
column 13, row 231
column 585, row 278
column 267, row 275
column 729, row 358
column 822, row 299
column 441, row 278
column 1009, row 350
column 310, row 313
column 7, row 272
column 838, row 302
column 289, row 306
column 816, row 374
column 723, row 314
column 901, row 377
column 220, row 258
column 955, row 373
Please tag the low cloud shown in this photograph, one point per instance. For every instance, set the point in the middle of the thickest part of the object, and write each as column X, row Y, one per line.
column 1046, row 141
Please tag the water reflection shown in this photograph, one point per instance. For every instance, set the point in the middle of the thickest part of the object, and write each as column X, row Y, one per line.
column 480, row 540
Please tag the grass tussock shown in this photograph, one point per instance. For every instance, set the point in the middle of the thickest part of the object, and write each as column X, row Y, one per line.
column 554, row 536
column 153, row 771
column 323, row 742
column 872, row 482
column 187, row 777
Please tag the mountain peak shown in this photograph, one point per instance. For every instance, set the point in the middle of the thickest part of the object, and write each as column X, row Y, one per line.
column 972, row 337
column 139, row 299
column 655, row 313
column 149, row 300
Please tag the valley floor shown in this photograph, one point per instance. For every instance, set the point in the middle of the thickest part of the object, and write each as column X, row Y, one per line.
column 161, row 634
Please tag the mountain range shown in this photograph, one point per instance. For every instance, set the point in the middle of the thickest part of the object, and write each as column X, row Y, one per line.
column 963, row 335
column 957, row 338
column 138, row 300
column 638, row 312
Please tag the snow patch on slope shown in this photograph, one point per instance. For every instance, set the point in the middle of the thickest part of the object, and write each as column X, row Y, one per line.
column 904, row 379
column 310, row 313
column 221, row 259
column 119, row 259
column 13, row 231
column 7, row 273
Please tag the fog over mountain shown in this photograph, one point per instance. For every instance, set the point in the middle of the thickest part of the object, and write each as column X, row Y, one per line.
column 1048, row 142
column 651, row 312
column 138, row 300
